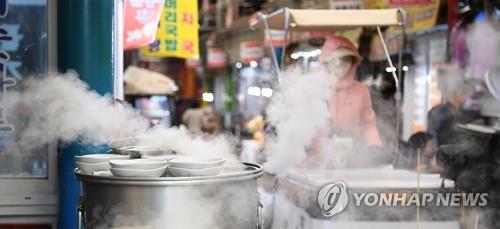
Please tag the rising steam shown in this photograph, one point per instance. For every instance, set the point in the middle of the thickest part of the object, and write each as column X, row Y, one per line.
column 298, row 111
column 62, row 108
column 483, row 44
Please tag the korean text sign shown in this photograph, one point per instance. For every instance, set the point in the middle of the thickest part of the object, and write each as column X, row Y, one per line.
column 177, row 34
column 141, row 22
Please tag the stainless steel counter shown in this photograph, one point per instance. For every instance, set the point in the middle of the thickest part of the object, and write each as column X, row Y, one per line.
column 300, row 189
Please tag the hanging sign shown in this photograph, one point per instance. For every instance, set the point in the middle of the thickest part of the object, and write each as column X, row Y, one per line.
column 141, row 19
column 177, row 34
column 251, row 51
column 216, row 58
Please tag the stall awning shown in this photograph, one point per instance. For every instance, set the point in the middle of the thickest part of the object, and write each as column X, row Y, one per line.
column 320, row 19
column 140, row 81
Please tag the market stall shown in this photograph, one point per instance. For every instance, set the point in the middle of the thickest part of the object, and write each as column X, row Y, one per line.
column 320, row 20
column 296, row 193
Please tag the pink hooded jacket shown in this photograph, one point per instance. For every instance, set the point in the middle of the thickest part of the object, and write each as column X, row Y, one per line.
column 350, row 101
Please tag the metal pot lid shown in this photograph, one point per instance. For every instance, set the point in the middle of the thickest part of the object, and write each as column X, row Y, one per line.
column 250, row 171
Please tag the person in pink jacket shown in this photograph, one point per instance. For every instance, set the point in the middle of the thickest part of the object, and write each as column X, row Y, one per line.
column 350, row 103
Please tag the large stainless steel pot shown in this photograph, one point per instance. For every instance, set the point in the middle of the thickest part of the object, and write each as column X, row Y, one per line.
column 225, row 201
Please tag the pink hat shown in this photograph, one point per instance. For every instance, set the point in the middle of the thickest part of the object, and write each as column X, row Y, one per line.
column 335, row 47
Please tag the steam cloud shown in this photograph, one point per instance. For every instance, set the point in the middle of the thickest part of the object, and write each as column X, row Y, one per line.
column 62, row 108
column 298, row 111
column 483, row 43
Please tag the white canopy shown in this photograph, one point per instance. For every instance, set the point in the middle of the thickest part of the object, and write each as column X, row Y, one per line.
column 320, row 19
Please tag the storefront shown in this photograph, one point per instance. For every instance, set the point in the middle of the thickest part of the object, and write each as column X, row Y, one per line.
column 28, row 180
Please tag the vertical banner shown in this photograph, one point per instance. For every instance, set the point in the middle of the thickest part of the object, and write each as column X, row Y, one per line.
column 141, row 22
column 177, row 34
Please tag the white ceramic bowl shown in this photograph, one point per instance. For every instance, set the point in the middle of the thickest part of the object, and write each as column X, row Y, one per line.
column 100, row 158
column 196, row 163
column 166, row 157
column 183, row 172
column 138, row 164
column 92, row 167
column 119, row 172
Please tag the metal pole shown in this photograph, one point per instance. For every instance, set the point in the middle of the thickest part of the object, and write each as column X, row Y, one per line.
column 400, row 87
column 287, row 24
column 398, row 94
column 386, row 52
column 118, row 22
column 273, row 52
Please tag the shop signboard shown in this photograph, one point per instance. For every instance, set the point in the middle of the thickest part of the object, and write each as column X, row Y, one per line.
column 177, row 34
column 216, row 58
column 422, row 16
column 141, row 19
column 251, row 51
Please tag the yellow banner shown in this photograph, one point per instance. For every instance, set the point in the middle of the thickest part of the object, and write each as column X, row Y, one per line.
column 420, row 15
column 423, row 16
column 177, row 34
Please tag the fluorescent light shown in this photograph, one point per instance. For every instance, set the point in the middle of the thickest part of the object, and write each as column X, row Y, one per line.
column 267, row 92
column 255, row 91
column 389, row 69
column 208, row 97
column 253, row 64
column 308, row 54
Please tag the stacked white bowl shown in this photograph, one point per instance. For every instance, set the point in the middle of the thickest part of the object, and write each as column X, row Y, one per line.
column 92, row 163
column 191, row 166
column 138, row 167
